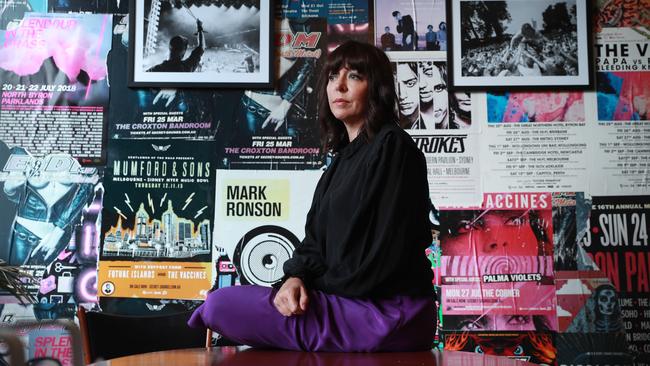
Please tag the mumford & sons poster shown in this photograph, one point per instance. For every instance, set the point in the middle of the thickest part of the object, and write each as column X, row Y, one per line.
column 157, row 220
column 279, row 128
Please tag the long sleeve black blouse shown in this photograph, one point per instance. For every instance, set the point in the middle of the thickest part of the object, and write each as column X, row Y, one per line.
column 368, row 226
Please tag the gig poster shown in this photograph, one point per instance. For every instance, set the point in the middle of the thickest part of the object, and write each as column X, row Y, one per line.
column 151, row 113
column 565, row 251
column 54, row 84
column 440, row 123
column 13, row 11
column 410, row 25
column 618, row 244
column 497, row 265
column 278, row 129
column 259, row 221
column 85, row 6
column 535, row 141
column 157, row 220
column 50, row 214
column 535, row 347
column 620, row 163
column 336, row 11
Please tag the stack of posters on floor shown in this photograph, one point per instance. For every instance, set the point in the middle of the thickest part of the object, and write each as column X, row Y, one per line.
column 54, row 84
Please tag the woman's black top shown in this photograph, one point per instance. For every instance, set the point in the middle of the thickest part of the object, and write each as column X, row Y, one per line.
column 368, row 225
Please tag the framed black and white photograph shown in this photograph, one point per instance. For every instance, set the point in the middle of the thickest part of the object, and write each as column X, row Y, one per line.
column 519, row 44
column 190, row 43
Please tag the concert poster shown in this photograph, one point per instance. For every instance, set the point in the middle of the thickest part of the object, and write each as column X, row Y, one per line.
column 620, row 158
column 58, row 250
column 157, row 220
column 535, row 347
column 278, row 129
column 259, row 221
column 618, row 244
column 153, row 113
column 54, row 84
column 497, row 265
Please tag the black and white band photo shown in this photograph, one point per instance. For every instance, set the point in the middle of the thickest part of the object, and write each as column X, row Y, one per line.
column 187, row 43
column 424, row 102
column 527, row 43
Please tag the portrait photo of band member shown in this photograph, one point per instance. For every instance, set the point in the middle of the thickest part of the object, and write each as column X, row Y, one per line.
column 496, row 233
column 424, row 101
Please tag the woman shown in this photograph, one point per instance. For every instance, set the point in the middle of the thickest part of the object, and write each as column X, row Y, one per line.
column 359, row 282
column 434, row 98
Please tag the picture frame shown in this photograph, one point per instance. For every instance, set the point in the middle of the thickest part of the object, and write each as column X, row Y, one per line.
column 520, row 45
column 178, row 44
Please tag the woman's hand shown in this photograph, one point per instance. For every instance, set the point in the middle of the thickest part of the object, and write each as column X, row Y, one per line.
column 292, row 297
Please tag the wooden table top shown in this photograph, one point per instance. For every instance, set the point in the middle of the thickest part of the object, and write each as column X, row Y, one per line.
column 245, row 356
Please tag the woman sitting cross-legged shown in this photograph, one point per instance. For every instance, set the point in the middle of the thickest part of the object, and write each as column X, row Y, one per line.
column 359, row 281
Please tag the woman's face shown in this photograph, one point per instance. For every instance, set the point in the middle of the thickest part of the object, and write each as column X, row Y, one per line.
column 464, row 101
column 347, row 94
column 425, row 72
column 407, row 89
column 492, row 233
column 440, row 95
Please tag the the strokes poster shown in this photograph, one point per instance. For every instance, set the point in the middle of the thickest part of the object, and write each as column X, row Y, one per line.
column 158, row 220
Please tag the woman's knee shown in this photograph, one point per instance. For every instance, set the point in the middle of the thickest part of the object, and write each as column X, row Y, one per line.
column 218, row 306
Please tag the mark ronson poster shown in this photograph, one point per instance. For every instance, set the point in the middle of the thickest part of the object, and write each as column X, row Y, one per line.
column 54, row 87
column 260, row 219
column 618, row 243
column 620, row 163
column 279, row 128
column 534, row 142
column 497, row 265
column 157, row 220
column 150, row 113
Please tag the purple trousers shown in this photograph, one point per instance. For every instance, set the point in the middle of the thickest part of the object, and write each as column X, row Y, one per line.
column 246, row 314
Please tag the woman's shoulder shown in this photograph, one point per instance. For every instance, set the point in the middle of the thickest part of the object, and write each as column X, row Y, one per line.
column 394, row 138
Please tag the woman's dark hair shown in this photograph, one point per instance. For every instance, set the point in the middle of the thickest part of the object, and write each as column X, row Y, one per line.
column 372, row 63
